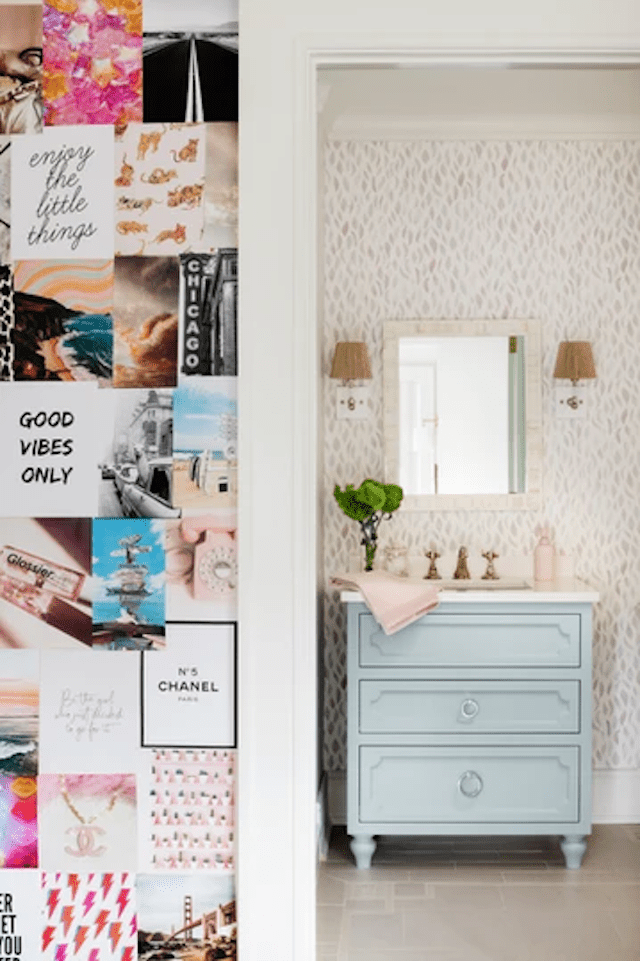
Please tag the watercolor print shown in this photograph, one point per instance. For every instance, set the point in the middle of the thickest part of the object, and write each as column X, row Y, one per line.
column 129, row 584
column 63, row 321
column 159, row 185
column 61, row 194
column 92, row 61
column 6, row 323
column 190, row 61
column 5, row 200
column 189, row 689
column 88, row 916
column 220, row 187
column 192, row 810
column 45, row 591
column 209, row 313
column 146, row 321
column 89, row 712
column 87, row 822
column 18, row 821
column 202, row 567
column 19, row 713
column 20, row 68
column 205, row 465
column 136, row 462
column 191, row 915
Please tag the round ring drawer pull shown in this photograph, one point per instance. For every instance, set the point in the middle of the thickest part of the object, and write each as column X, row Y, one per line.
column 470, row 784
column 469, row 708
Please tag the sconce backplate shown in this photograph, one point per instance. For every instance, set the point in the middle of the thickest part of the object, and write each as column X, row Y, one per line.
column 352, row 403
column 570, row 402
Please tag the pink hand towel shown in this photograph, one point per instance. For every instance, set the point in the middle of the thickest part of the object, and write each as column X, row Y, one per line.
column 394, row 601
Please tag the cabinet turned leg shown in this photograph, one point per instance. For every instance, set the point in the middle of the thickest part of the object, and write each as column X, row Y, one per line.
column 363, row 846
column 573, row 847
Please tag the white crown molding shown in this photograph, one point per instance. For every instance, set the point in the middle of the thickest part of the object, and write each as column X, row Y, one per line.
column 515, row 127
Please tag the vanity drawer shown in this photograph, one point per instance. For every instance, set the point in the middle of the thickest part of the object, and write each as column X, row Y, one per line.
column 406, row 785
column 440, row 640
column 469, row 707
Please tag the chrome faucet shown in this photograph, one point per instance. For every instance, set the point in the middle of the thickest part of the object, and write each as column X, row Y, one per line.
column 461, row 572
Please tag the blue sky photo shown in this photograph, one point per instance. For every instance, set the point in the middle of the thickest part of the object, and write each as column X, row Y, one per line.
column 203, row 412
column 107, row 533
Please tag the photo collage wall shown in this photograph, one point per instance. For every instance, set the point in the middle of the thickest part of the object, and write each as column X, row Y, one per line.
column 118, row 479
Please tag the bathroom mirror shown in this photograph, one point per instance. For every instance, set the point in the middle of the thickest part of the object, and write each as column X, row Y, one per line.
column 462, row 413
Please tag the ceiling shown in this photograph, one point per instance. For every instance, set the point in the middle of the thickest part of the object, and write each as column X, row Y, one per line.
column 479, row 102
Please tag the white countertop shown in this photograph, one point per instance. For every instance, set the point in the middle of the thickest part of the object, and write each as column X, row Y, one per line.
column 566, row 590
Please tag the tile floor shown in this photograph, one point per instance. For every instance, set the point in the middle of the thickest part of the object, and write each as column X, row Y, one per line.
column 482, row 899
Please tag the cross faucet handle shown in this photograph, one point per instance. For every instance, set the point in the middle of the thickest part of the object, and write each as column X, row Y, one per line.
column 432, row 573
column 490, row 573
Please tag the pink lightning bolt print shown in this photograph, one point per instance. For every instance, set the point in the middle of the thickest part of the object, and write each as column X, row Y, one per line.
column 88, row 917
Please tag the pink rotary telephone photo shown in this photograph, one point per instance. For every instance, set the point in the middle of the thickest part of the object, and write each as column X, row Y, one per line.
column 215, row 568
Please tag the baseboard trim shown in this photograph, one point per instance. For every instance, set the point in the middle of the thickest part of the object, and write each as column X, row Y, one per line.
column 616, row 796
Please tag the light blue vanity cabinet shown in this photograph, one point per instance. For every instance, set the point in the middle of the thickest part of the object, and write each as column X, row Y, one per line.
column 474, row 720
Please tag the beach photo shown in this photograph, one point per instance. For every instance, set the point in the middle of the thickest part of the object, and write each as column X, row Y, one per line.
column 129, row 585
column 190, row 61
column 45, row 589
column 205, row 431
column 193, row 916
column 145, row 313
column 19, row 713
column 63, row 320
column 20, row 68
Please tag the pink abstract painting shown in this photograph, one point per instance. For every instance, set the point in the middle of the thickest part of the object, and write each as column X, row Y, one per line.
column 92, row 66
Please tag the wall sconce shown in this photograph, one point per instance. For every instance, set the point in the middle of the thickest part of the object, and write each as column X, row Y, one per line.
column 351, row 362
column 574, row 362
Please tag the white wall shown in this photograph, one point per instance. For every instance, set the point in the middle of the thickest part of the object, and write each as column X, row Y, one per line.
column 277, row 399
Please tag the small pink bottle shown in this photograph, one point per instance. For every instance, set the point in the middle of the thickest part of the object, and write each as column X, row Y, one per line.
column 543, row 558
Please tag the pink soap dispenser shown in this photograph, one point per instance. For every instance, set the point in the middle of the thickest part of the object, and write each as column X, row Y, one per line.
column 543, row 557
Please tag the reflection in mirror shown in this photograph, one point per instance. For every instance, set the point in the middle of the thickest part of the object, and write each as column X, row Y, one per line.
column 462, row 412
column 461, row 415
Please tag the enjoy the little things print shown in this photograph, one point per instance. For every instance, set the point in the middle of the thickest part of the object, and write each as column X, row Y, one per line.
column 58, row 199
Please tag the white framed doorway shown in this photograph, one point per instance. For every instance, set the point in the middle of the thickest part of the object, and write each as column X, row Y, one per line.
column 278, row 669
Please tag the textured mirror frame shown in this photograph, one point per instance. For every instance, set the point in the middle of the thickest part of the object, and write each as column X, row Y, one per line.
column 530, row 330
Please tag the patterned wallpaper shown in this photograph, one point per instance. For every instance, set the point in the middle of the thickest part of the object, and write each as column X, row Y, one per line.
column 549, row 230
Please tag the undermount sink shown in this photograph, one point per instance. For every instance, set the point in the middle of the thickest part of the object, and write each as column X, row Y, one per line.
column 477, row 584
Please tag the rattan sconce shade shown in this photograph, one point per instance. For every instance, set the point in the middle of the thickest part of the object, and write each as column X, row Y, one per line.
column 574, row 361
column 351, row 361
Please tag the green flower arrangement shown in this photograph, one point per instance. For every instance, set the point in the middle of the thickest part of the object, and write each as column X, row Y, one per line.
column 368, row 505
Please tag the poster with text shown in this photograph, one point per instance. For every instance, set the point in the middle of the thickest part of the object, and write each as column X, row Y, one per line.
column 58, row 202
column 19, row 897
column 50, row 440
column 189, row 690
column 90, row 710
